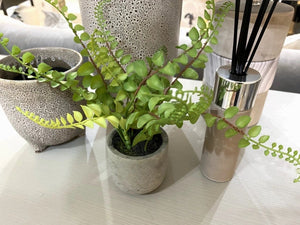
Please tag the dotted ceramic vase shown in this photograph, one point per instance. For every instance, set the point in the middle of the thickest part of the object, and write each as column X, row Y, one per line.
column 141, row 26
column 137, row 174
column 40, row 98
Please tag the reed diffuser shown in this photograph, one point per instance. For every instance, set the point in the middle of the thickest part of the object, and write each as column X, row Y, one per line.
column 267, row 30
column 244, row 51
column 235, row 85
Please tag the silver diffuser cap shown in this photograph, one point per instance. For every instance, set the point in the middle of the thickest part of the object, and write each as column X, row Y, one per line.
column 233, row 92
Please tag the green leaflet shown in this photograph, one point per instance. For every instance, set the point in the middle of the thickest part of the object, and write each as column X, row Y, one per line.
column 121, row 95
column 153, row 102
column 113, row 121
column 192, row 52
column 254, row 131
column 144, row 94
column 182, row 59
column 169, row 69
column 89, row 124
column 27, row 57
column 70, row 118
column 101, row 122
column 139, row 138
column 203, row 57
column 230, row 133
column 119, row 53
column 125, row 59
column 89, row 113
column 78, row 116
column 198, row 64
column 231, row 112
column 96, row 82
column 58, row 76
column 214, row 40
column 131, row 119
column 139, row 67
column 201, row 23
column 64, row 9
column 207, row 15
column 84, row 36
column 72, row 17
column 122, row 76
column 85, row 69
column 155, row 83
column 209, row 119
column 166, row 107
column 183, row 47
column 243, row 143
column 86, row 82
column 95, row 108
column 221, row 124
column 194, row 34
column 15, row 50
column 43, row 68
column 130, row 86
column 264, row 138
column 143, row 120
column 158, row 58
column 177, row 85
column 78, row 27
column 242, row 121
column 190, row 73
column 208, row 49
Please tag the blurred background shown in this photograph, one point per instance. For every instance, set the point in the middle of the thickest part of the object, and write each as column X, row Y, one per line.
column 34, row 22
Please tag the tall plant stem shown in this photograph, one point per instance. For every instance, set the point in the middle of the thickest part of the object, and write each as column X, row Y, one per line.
column 80, row 41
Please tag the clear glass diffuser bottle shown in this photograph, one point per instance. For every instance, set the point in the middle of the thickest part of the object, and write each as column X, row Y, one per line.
column 220, row 154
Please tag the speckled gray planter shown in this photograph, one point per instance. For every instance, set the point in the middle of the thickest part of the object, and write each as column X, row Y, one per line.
column 141, row 26
column 137, row 174
column 40, row 98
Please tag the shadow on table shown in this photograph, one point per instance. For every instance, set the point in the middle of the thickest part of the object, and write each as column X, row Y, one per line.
column 182, row 158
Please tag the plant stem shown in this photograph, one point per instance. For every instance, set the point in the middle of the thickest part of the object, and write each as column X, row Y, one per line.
column 229, row 124
column 81, row 42
column 114, row 57
column 133, row 99
column 125, row 138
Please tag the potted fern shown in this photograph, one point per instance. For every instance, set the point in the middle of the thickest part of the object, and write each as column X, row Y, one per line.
column 137, row 98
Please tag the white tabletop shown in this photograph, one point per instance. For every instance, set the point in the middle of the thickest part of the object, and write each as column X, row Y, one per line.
column 69, row 184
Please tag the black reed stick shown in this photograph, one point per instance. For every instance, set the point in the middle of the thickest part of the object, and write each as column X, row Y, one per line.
column 243, row 37
column 257, row 24
column 240, row 54
column 261, row 34
column 236, row 24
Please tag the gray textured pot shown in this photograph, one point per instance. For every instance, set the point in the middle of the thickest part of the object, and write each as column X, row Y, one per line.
column 40, row 98
column 137, row 174
column 141, row 26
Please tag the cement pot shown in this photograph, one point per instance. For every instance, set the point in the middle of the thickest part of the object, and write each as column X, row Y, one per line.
column 40, row 98
column 137, row 174
column 140, row 26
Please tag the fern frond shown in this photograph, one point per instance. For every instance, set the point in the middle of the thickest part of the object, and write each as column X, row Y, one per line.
column 252, row 137
column 71, row 121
